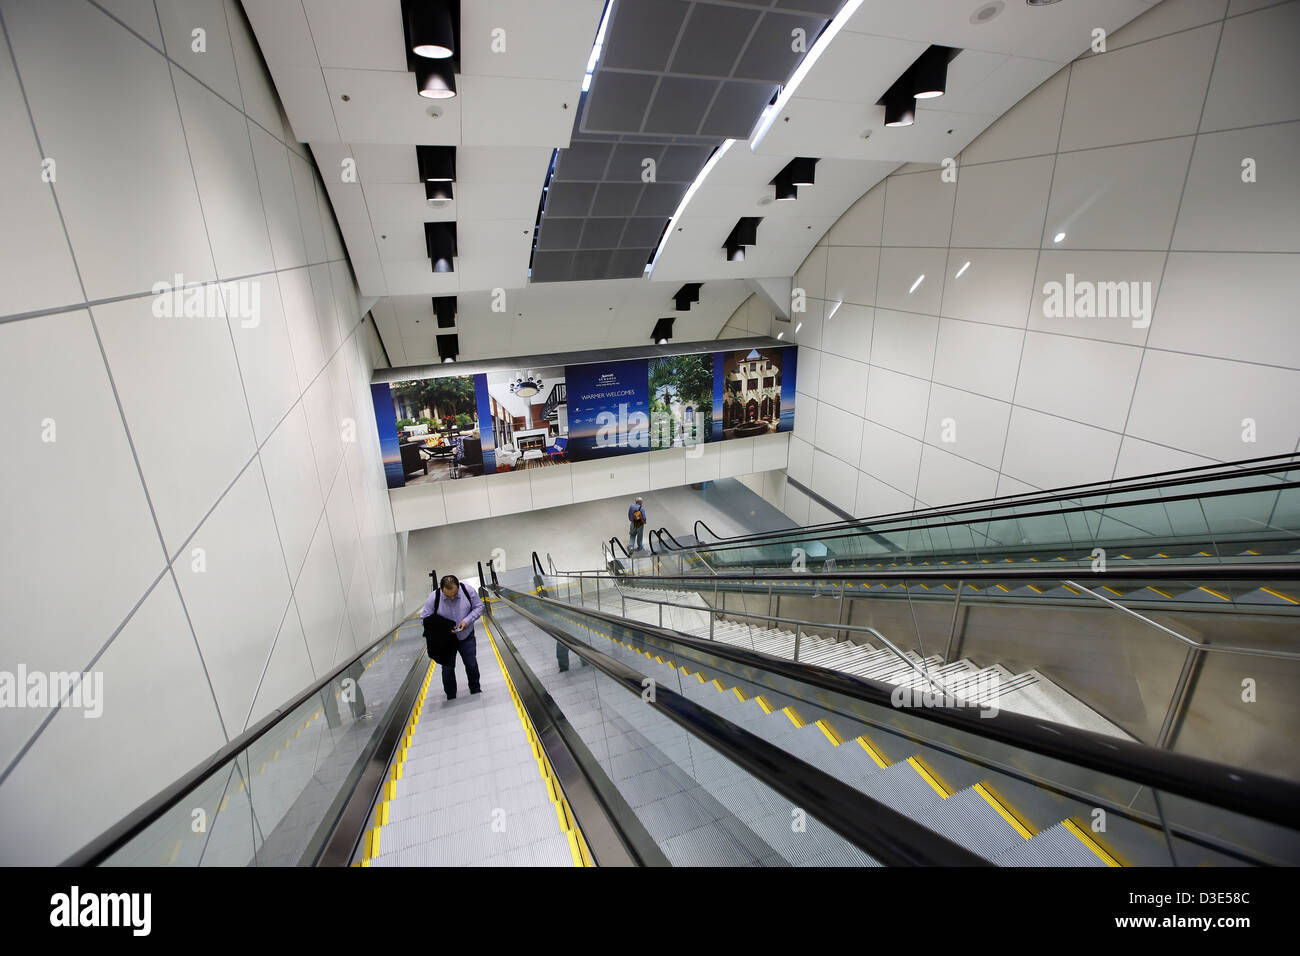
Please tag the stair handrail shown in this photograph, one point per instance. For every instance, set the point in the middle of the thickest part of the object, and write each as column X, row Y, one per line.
column 1246, row 572
column 1028, row 497
column 845, row 531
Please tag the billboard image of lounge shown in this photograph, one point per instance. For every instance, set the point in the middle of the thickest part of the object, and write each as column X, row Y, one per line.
column 438, row 429
column 754, row 392
column 529, row 412
column 681, row 400
column 609, row 409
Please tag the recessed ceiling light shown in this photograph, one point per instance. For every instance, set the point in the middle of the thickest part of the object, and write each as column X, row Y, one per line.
column 1040, row 3
column 797, row 328
column 962, row 269
column 1058, row 237
column 919, row 280
column 987, row 12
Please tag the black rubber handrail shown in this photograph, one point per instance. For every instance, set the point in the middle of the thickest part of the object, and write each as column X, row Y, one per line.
column 1047, row 572
column 875, row 828
column 1035, row 497
column 797, row 534
column 1232, row 788
column 613, row 542
column 537, row 566
column 153, row 809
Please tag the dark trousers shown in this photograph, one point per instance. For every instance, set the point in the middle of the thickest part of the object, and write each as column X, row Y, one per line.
column 469, row 654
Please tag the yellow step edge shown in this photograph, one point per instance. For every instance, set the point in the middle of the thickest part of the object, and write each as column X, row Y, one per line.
column 795, row 719
column 574, row 849
column 824, row 726
column 1082, row 836
column 718, row 685
column 1107, row 587
column 1222, row 597
column 1152, row 587
column 1278, row 594
column 740, row 694
column 763, row 703
column 1003, row 587
column 1035, row 589
column 1070, row 589
column 1003, row 811
column 873, row 752
column 700, row 677
column 929, row 777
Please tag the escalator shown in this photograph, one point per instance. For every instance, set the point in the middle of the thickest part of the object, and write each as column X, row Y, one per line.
column 962, row 687
column 1008, row 789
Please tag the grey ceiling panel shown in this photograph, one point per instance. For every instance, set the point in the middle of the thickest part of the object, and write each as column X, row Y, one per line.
column 644, row 231
column 822, row 8
column 583, row 161
column 629, row 263
column 617, row 99
column 559, row 233
column 642, row 33
column 679, row 105
column 552, row 266
column 627, row 164
column 712, row 39
column 675, row 78
column 591, row 265
column 770, row 55
column 681, row 164
column 602, row 233
column 569, row 199
column 661, row 199
column 617, row 199
column 736, row 109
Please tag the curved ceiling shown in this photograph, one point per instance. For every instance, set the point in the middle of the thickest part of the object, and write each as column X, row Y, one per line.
column 675, row 78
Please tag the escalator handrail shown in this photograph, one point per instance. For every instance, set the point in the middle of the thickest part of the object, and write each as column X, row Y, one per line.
column 1268, row 798
column 800, row 534
column 665, row 531
column 157, row 806
column 615, row 541
column 1035, row 497
column 537, row 566
column 877, row 829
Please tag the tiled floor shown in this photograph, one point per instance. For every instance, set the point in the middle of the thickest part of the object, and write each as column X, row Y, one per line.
column 573, row 534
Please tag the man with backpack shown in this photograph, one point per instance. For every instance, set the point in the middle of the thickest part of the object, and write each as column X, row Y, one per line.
column 459, row 606
column 636, row 525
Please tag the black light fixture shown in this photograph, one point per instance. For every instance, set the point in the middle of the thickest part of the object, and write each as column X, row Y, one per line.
column 444, row 307
column 436, row 81
column 437, row 163
column 900, row 109
column 785, row 189
column 429, row 29
column 448, row 347
column 438, row 193
column 798, row 172
column 440, row 241
column 928, row 76
column 663, row 331
column 744, row 233
column 801, row 170
column 687, row 294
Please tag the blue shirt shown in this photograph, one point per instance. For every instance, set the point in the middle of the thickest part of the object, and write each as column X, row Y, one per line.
column 633, row 510
column 456, row 609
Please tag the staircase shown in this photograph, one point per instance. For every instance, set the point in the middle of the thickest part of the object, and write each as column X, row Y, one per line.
column 1028, row 693
column 973, row 817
